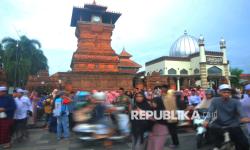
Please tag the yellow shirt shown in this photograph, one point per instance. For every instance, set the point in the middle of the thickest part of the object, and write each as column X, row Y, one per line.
column 47, row 106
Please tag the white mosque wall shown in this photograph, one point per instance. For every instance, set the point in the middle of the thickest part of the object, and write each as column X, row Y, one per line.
column 190, row 66
column 228, row 68
column 177, row 65
column 195, row 64
column 155, row 67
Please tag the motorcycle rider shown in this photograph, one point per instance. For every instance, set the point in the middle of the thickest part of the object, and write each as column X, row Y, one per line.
column 98, row 115
column 105, row 129
column 205, row 103
column 125, row 102
column 202, row 108
column 226, row 113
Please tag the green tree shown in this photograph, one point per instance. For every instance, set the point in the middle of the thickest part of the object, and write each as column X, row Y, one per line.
column 22, row 58
column 1, row 55
column 236, row 72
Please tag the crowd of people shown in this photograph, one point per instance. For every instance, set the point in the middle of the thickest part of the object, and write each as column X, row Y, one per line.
column 58, row 107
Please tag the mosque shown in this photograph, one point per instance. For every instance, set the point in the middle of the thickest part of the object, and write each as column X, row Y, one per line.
column 190, row 64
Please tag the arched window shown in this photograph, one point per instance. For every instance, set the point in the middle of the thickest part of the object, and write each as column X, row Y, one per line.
column 161, row 72
column 196, row 71
column 214, row 71
column 184, row 71
column 171, row 71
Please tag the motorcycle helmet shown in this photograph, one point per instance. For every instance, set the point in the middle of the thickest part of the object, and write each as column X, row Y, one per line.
column 99, row 96
column 209, row 91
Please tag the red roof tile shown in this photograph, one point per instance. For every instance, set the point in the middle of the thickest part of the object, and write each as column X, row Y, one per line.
column 245, row 75
column 124, row 53
column 128, row 63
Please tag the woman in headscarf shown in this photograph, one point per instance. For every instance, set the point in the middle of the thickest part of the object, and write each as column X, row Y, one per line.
column 206, row 102
column 158, row 135
column 169, row 101
column 140, row 128
column 34, row 97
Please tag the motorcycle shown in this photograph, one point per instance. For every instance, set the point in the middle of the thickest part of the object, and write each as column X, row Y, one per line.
column 106, row 128
column 201, row 131
column 227, row 144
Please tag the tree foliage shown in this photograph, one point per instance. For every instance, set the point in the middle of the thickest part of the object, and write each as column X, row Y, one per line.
column 235, row 80
column 22, row 58
column 1, row 55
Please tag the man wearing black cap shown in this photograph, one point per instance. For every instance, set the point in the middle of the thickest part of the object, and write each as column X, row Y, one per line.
column 225, row 115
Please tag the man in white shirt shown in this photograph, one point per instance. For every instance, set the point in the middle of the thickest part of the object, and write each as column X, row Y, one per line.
column 24, row 108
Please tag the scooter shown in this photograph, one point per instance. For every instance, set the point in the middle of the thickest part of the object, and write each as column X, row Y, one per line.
column 201, row 131
column 227, row 144
column 100, row 131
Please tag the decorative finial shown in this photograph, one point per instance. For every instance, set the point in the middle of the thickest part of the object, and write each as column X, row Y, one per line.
column 222, row 39
column 201, row 37
column 185, row 32
column 94, row 2
column 201, row 40
column 222, row 43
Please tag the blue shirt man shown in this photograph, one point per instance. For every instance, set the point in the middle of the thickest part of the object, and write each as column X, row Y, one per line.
column 61, row 111
column 194, row 100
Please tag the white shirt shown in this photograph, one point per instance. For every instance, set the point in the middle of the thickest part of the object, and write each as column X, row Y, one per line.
column 23, row 105
column 29, row 103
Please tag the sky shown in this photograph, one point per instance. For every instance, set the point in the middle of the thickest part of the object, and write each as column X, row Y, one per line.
column 147, row 28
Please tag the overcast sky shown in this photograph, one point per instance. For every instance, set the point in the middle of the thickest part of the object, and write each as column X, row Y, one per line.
column 147, row 28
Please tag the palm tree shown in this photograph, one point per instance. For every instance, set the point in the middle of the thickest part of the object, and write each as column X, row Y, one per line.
column 22, row 58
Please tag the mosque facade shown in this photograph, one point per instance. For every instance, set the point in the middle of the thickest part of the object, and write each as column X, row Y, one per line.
column 190, row 64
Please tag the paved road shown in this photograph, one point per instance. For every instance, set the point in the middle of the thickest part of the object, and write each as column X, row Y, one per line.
column 42, row 140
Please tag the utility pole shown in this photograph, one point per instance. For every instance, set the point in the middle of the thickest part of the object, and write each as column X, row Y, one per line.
column 16, row 65
column 17, row 73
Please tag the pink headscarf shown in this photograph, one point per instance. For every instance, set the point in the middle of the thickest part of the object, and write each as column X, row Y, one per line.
column 110, row 98
column 94, row 91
